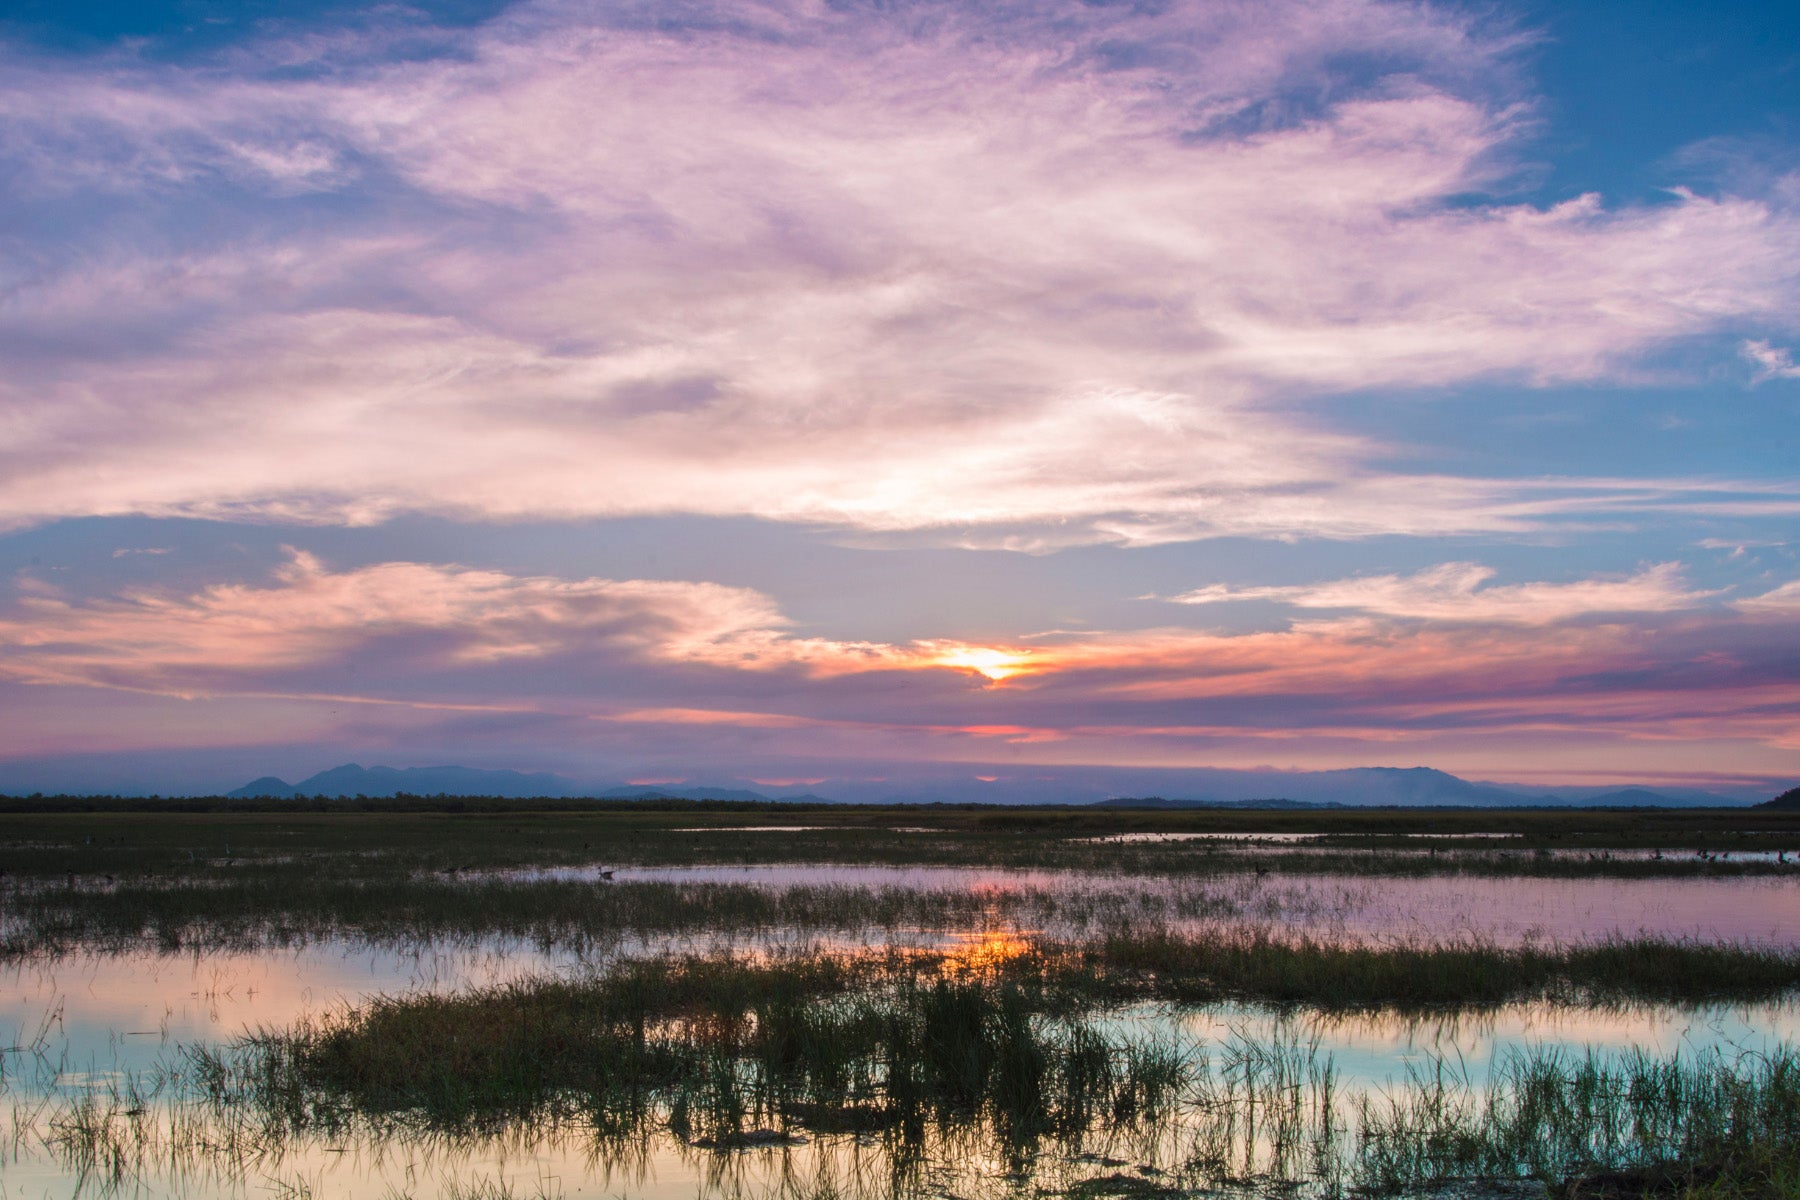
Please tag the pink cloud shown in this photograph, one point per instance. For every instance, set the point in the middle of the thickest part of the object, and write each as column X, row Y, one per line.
column 992, row 272
column 1772, row 362
column 1455, row 592
column 1783, row 601
column 425, row 617
column 664, row 662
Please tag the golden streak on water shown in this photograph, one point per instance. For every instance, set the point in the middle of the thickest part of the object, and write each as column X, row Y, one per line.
column 986, row 952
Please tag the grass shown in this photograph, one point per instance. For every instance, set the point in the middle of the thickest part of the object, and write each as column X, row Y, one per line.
column 1009, row 1051
column 259, row 873
column 1702, row 1126
column 259, row 910
column 941, row 1069
column 717, row 1050
column 860, row 1040
column 187, row 839
column 1158, row 964
column 1181, row 941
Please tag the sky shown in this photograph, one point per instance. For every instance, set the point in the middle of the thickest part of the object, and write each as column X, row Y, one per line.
column 863, row 394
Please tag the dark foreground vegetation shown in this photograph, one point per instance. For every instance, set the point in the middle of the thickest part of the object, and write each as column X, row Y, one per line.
column 999, row 1058
column 95, row 837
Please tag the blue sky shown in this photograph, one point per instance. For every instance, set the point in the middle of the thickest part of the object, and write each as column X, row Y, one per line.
column 814, row 393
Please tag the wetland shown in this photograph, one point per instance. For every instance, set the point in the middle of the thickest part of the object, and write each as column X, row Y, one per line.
column 444, row 999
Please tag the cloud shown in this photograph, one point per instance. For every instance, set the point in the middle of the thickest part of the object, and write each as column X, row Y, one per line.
column 672, row 668
column 1782, row 601
column 1454, row 592
column 419, row 623
column 1771, row 362
column 1061, row 268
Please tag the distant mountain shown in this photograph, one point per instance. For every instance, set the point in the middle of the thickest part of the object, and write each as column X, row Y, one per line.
column 1163, row 802
column 1195, row 787
column 683, row 792
column 1400, row 787
column 1417, row 785
column 1789, row 799
column 1403, row 786
column 268, row 787
column 1616, row 797
column 1636, row 797
column 352, row 779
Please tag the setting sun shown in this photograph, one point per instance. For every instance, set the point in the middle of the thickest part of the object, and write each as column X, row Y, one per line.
column 995, row 664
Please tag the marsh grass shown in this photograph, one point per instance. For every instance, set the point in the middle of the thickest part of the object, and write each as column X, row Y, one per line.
column 272, row 875
column 1703, row 1125
column 721, row 1051
column 262, row 910
column 1257, row 965
column 900, row 1057
column 1194, row 940
column 48, row 838
column 890, row 1077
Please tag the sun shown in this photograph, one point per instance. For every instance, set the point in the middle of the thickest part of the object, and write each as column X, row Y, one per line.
column 995, row 664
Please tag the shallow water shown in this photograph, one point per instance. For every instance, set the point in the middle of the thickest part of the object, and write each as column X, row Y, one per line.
column 100, row 1024
column 105, row 1014
column 1756, row 910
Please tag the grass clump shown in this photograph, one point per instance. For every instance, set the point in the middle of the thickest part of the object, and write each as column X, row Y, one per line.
column 1588, row 1126
column 722, row 1052
column 1256, row 966
column 938, row 1068
column 727, row 1054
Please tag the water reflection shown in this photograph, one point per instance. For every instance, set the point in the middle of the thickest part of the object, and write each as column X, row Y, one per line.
column 1505, row 910
column 107, row 1032
column 98, row 1095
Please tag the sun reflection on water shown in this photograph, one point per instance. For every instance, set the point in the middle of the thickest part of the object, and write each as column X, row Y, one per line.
column 985, row 952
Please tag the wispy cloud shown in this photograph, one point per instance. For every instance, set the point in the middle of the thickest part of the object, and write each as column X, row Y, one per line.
column 1056, row 267
column 1456, row 592
column 1771, row 362
column 1781, row 601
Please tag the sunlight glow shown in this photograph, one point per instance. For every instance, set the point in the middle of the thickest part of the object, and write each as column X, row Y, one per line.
column 985, row 952
column 995, row 664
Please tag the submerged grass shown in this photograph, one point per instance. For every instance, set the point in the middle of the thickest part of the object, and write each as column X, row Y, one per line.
column 942, row 1067
column 49, row 839
column 1257, row 966
column 1181, row 942
column 1176, row 939
column 117, row 878
column 1641, row 1125
column 1000, row 1049
column 718, row 1050
column 256, row 911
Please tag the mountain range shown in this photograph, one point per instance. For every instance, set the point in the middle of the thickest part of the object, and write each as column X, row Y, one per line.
column 352, row 779
column 1398, row 786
